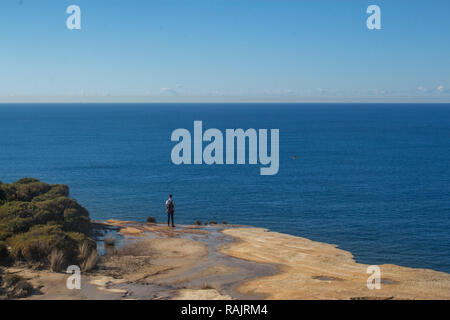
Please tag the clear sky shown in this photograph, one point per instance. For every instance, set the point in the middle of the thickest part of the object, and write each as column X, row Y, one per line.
column 224, row 50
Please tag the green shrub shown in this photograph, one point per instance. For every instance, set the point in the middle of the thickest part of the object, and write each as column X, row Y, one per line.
column 84, row 250
column 17, row 209
column 198, row 223
column 73, row 221
column 77, row 239
column 25, row 181
column 29, row 189
column 16, row 225
column 41, row 224
column 2, row 194
column 56, row 191
column 26, row 192
column 56, row 260
column 3, row 250
column 80, row 238
column 91, row 262
column 4, row 234
column 7, row 192
column 87, row 255
column 59, row 204
column 37, row 244
column 68, row 212
column 17, row 216
column 46, row 216
column 213, row 222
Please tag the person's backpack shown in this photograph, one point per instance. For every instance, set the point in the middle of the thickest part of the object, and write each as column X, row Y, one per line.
column 170, row 206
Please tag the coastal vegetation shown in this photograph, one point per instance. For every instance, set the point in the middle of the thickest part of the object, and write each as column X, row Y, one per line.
column 110, row 241
column 13, row 287
column 41, row 225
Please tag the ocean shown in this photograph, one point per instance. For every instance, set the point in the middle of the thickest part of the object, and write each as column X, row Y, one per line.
column 373, row 179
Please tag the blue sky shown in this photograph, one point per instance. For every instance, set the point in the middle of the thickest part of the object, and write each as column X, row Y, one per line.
column 230, row 50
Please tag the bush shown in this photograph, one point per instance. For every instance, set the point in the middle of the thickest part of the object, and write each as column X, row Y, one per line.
column 224, row 222
column 84, row 250
column 4, row 234
column 15, row 287
column 110, row 241
column 17, row 209
column 3, row 250
column 91, row 262
column 24, row 181
column 80, row 239
column 12, row 225
column 213, row 222
column 56, row 191
column 68, row 212
column 198, row 223
column 151, row 220
column 3, row 194
column 18, row 216
column 37, row 244
column 56, row 260
column 7, row 192
column 76, row 221
column 27, row 191
column 41, row 223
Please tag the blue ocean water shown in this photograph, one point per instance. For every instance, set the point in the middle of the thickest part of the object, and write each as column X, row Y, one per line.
column 371, row 178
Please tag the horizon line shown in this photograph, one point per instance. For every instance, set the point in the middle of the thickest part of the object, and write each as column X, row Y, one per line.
column 218, row 102
column 224, row 102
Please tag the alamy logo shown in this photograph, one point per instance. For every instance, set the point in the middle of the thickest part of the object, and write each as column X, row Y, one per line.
column 235, row 140
column 74, row 20
column 374, row 281
column 74, row 281
column 374, row 20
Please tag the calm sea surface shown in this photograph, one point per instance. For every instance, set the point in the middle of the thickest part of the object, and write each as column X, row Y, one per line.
column 373, row 179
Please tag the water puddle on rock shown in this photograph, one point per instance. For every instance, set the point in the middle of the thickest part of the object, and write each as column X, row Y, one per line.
column 222, row 272
column 216, row 271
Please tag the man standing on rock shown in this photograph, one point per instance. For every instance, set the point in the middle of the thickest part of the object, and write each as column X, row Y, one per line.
column 170, row 207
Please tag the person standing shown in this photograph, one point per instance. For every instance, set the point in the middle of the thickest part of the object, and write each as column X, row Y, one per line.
column 170, row 207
